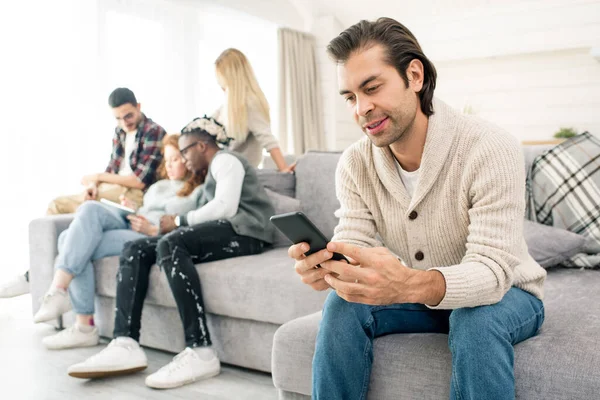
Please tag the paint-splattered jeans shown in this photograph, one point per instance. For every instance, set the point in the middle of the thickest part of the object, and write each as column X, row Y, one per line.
column 176, row 254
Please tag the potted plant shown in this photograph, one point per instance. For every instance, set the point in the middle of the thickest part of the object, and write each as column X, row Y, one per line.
column 565, row 133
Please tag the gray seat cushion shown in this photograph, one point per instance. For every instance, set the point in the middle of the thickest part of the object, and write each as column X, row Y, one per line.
column 562, row 362
column 261, row 287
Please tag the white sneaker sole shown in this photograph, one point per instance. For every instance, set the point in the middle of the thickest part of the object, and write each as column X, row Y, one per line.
column 90, row 343
column 106, row 373
column 172, row 385
column 49, row 317
column 7, row 293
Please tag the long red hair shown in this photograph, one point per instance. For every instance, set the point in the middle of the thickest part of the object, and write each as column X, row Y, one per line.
column 191, row 180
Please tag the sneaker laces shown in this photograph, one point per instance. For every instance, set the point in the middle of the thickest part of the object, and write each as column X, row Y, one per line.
column 48, row 295
column 112, row 343
column 177, row 363
column 67, row 331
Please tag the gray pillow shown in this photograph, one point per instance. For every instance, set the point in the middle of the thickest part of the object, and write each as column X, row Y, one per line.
column 280, row 182
column 550, row 246
column 282, row 204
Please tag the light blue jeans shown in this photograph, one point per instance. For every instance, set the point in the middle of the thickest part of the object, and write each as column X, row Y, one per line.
column 96, row 232
column 481, row 341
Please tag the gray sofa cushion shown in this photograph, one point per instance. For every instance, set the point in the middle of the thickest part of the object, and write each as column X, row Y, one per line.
column 550, row 246
column 261, row 287
column 278, row 182
column 315, row 188
column 282, row 204
column 562, row 362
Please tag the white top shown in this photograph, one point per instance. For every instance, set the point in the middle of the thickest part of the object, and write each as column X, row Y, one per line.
column 409, row 179
column 125, row 168
column 468, row 215
column 158, row 197
column 229, row 174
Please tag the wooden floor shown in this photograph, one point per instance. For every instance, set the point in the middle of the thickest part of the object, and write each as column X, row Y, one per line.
column 29, row 371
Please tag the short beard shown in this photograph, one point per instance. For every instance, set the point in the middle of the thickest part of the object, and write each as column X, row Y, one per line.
column 396, row 135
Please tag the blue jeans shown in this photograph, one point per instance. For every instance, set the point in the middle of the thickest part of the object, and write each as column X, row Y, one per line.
column 481, row 341
column 96, row 232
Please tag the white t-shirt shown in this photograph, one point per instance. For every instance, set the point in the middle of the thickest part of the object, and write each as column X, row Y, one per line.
column 229, row 174
column 409, row 179
column 125, row 168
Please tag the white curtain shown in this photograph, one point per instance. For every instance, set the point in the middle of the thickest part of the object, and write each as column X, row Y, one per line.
column 300, row 122
column 61, row 60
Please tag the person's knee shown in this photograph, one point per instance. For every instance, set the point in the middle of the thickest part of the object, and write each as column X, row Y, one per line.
column 132, row 250
column 89, row 208
column 337, row 311
column 168, row 244
column 56, row 207
column 470, row 326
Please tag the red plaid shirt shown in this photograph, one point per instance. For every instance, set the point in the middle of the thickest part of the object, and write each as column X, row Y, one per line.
column 146, row 156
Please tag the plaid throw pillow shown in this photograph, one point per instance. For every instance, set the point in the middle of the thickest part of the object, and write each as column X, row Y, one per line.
column 564, row 192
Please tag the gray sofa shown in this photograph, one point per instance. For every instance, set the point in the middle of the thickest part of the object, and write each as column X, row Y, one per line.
column 262, row 317
column 562, row 362
column 246, row 298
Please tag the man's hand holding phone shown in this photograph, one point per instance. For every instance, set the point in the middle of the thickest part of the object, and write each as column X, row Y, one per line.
column 313, row 268
column 307, row 266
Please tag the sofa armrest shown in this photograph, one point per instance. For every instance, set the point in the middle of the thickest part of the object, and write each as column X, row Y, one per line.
column 43, row 238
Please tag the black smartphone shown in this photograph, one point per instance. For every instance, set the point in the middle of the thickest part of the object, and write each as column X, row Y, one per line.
column 298, row 228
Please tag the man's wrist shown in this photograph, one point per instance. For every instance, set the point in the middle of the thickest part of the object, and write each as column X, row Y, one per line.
column 428, row 287
column 181, row 220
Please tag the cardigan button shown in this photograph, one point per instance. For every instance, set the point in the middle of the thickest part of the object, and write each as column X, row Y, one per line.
column 413, row 215
column 419, row 256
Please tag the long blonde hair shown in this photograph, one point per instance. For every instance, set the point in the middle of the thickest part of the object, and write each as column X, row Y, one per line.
column 235, row 72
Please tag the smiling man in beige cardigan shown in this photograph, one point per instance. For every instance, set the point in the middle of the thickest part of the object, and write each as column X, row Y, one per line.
column 446, row 194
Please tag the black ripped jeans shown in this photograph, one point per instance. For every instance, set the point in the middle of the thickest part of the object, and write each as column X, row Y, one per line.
column 176, row 254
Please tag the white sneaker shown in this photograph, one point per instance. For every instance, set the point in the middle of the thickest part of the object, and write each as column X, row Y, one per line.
column 185, row 368
column 15, row 287
column 56, row 303
column 123, row 355
column 71, row 338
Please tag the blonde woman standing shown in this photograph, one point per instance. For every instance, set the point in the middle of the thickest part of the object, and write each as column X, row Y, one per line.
column 245, row 113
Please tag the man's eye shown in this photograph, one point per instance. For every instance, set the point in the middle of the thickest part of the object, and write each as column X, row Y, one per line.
column 349, row 99
column 372, row 89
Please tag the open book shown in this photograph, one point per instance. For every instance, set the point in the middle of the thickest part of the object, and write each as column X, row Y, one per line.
column 122, row 210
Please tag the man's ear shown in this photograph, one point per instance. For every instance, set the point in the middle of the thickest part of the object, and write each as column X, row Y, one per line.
column 415, row 74
column 139, row 106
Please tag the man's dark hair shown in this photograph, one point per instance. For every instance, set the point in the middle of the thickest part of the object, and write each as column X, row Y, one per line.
column 401, row 47
column 121, row 96
column 202, row 135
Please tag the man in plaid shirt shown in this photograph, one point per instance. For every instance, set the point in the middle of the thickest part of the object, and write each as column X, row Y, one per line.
column 135, row 157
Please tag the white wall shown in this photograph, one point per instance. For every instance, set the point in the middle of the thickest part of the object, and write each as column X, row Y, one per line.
column 524, row 65
column 340, row 129
column 286, row 13
column 530, row 95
